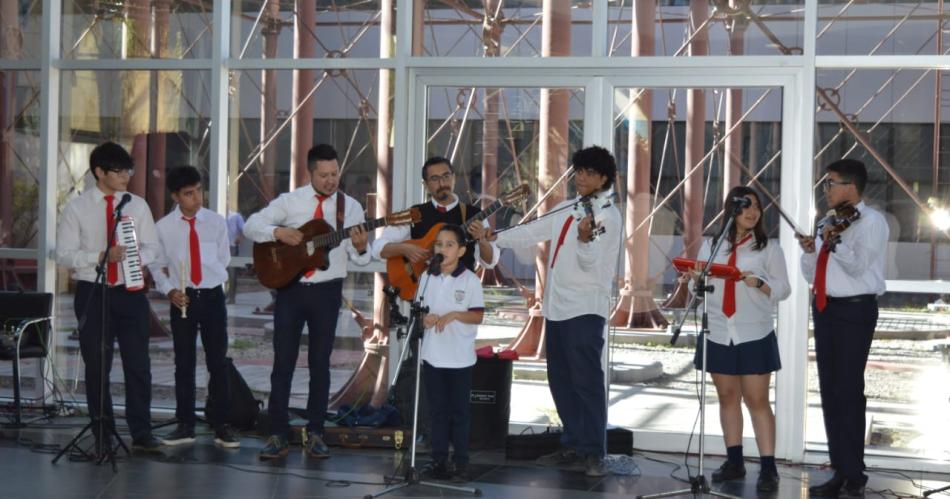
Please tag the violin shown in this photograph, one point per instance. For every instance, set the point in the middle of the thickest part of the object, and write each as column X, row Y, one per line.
column 593, row 207
column 838, row 219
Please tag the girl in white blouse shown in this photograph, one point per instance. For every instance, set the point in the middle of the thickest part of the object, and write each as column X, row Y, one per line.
column 743, row 350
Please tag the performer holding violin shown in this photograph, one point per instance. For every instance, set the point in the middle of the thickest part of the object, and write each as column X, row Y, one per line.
column 846, row 267
column 743, row 349
column 581, row 269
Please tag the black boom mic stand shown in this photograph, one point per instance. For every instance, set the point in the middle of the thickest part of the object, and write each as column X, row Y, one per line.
column 416, row 329
column 104, row 432
column 698, row 484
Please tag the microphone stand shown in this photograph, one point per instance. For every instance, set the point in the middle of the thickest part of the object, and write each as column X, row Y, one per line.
column 416, row 330
column 104, row 449
column 698, row 483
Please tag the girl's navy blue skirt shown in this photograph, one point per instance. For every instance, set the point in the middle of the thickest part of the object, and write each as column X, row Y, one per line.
column 753, row 357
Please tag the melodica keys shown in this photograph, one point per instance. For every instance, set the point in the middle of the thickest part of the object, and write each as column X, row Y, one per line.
column 132, row 265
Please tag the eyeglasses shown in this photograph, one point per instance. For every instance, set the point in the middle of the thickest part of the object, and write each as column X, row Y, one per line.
column 122, row 172
column 828, row 184
column 446, row 177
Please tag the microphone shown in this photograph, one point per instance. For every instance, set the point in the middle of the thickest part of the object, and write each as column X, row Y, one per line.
column 741, row 201
column 124, row 201
column 435, row 263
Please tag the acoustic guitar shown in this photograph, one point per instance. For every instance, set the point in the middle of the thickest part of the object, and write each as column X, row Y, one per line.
column 278, row 264
column 404, row 275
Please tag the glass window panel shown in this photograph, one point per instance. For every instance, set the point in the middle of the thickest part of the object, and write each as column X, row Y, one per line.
column 500, row 29
column 162, row 119
column 893, row 111
column 19, row 158
column 493, row 138
column 137, row 29
column 20, row 29
column 650, row 132
column 717, row 27
column 881, row 27
column 339, row 29
column 341, row 108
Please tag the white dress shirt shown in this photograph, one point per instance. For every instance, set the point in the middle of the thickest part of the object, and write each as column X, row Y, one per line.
column 400, row 233
column 81, row 233
column 856, row 266
column 295, row 208
column 753, row 318
column 461, row 291
column 583, row 274
column 174, row 234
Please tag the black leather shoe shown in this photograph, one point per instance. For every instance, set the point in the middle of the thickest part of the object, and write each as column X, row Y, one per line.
column 851, row 489
column 148, row 443
column 728, row 471
column 827, row 489
column 767, row 482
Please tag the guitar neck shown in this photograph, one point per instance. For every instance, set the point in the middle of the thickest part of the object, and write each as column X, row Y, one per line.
column 336, row 237
column 489, row 211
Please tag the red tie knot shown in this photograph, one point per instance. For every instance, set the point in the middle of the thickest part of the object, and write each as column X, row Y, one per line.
column 109, row 198
column 191, row 220
column 441, row 209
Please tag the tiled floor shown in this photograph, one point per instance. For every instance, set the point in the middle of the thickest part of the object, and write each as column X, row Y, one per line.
column 204, row 471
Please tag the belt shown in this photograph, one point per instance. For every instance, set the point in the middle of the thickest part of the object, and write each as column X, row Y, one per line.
column 198, row 292
column 320, row 283
column 852, row 299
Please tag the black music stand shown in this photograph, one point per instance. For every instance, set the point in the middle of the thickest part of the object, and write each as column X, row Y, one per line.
column 103, row 449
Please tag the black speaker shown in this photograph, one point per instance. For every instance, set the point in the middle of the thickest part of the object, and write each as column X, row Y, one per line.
column 490, row 403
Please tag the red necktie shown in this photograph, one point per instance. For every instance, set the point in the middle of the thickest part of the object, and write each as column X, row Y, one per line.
column 317, row 213
column 112, row 270
column 821, row 298
column 195, row 249
column 560, row 239
column 440, row 208
column 729, row 293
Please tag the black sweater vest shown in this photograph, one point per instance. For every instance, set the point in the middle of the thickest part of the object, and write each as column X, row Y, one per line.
column 432, row 216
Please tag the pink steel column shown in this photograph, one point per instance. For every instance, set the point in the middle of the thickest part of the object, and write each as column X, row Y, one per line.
column 270, row 30
column 9, row 49
column 301, row 125
column 491, row 40
column 695, row 150
column 731, row 173
column 553, row 161
column 636, row 307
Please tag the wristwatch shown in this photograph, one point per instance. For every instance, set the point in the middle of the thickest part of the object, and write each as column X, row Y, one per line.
column 760, row 284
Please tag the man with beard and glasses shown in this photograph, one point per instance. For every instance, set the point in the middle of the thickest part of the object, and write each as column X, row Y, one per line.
column 444, row 207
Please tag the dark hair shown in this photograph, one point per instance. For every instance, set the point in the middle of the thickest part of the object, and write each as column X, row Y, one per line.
column 435, row 160
column 761, row 238
column 182, row 176
column 320, row 152
column 598, row 159
column 851, row 170
column 110, row 157
column 457, row 230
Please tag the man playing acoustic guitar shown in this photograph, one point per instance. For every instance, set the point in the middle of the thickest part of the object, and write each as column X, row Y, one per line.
column 444, row 207
column 314, row 299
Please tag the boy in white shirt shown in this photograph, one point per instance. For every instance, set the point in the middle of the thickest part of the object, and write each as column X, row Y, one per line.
column 456, row 308
column 195, row 255
column 81, row 238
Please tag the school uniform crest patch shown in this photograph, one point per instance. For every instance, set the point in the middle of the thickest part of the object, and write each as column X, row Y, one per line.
column 459, row 295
